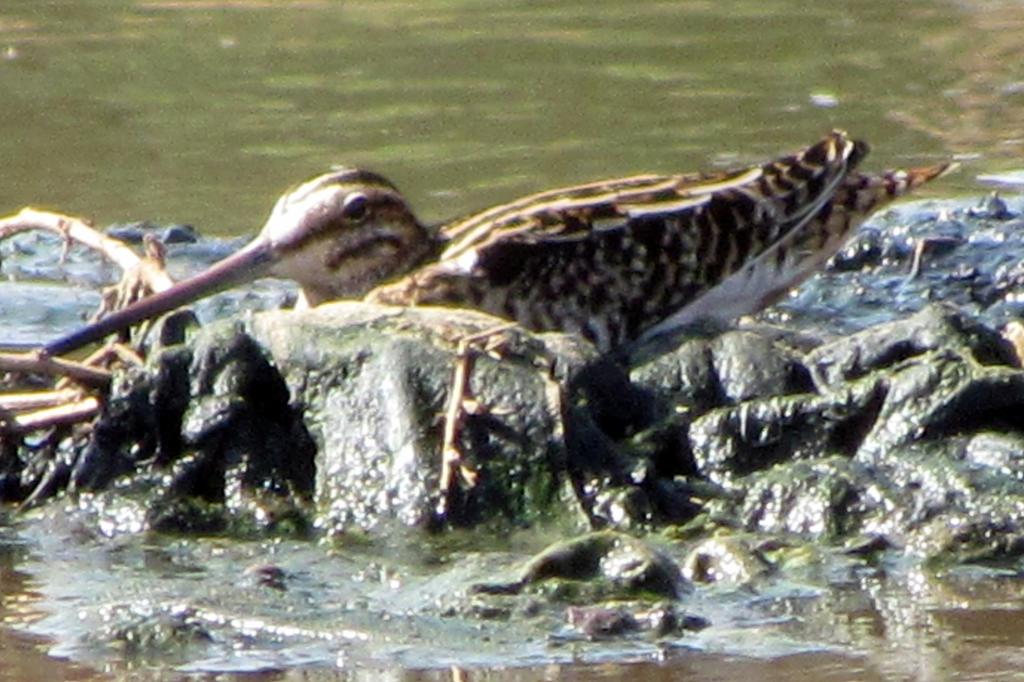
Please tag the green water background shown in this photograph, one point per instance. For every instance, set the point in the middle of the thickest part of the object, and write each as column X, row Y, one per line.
column 203, row 112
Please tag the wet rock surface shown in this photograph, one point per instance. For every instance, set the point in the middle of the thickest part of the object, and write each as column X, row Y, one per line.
column 966, row 253
column 876, row 414
column 374, row 382
column 330, row 418
column 610, row 564
column 333, row 419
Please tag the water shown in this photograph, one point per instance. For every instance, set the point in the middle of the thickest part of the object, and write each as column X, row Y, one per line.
column 203, row 112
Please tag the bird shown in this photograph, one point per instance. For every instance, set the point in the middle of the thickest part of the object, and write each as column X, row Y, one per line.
column 619, row 261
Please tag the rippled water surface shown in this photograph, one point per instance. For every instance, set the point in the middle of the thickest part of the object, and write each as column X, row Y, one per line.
column 203, row 111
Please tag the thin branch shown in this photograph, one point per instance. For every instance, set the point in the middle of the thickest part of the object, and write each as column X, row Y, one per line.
column 34, row 400
column 33, row 362
column 71, row 229
column 70, row 413
column 64, row 405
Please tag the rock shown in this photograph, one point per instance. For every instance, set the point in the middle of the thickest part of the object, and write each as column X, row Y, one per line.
column 724, row 560
column 137, row 634
column 727, row 369
column 341, row 407
column 373, row 383
column 133, row 233
column 331, row 419
column 935, row 327
column 731, row 442
column 903, row 423
column 598, row 622
column 604, row 622
column 804, row 442
column 615, row 564
column 820, row 498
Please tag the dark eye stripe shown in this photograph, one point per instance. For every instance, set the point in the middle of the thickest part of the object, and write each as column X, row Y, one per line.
column 339, row 256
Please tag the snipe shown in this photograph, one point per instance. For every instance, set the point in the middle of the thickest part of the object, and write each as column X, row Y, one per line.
column 615, row 261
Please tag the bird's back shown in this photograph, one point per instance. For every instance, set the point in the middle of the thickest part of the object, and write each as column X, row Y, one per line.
column 625, row 259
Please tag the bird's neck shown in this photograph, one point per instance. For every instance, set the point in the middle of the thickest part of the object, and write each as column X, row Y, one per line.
column 430, row 247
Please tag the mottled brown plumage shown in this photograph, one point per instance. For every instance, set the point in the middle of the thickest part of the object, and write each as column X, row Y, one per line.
column 615, row 261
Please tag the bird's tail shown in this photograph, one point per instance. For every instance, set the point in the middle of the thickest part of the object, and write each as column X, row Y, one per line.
column 864, row 193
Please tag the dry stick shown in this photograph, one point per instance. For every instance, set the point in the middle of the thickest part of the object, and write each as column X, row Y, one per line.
column 146, row 277
column 458, row 396
column 125, row 354
column 922, row 244
column 64, row 406
column 32, row 362
column 915, row 264
column 34, row 400
column 102, row 358
column 451, row 456
column 143, row 273
column 77, row 230
column 71, row 413
column 72, row 229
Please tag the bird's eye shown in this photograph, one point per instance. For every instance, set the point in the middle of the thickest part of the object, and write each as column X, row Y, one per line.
column 355, row 206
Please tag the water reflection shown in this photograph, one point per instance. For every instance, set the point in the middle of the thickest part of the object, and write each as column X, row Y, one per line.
column 982, row 110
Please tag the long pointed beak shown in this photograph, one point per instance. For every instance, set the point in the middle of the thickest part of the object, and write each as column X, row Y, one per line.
column 251, row 262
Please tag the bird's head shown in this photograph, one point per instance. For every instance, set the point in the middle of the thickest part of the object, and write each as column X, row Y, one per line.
column 337, row 236
column 341, row 234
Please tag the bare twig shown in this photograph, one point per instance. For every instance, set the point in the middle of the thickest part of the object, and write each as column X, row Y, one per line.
column 141, row 275
column 147, row 276
column 71, row 229
column 125, row 354
column 69, row 413
column 67, row 404
column 460, row 403
column 33, row 362
column 921, row 246
column 34, row 400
